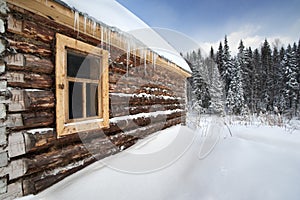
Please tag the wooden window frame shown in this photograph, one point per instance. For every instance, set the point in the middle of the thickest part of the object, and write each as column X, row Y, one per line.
column 64, row 125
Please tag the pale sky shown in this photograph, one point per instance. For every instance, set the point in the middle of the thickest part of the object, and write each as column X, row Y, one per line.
column 207, row 21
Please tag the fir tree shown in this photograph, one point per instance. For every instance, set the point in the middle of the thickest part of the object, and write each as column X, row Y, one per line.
column 279, row 101
column 289, row 63
column 248, row 81
column 267, row 76
column 219, row 59
column 228, row 66
column 215, row 86
column 201, row 96
column 216, row 89
column 257, row 77
column 212, row 54
column 298, row 73
column 235, row 99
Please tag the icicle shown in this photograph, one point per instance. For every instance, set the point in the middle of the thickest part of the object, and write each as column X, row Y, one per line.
column 76, row 21
column 154, row 57
column 102, row 36
column 109, row 40
column 141, row 55
column 145, row 61
column 90, row 24
column 105, row 37
column 134, row 53
column 94, row 27
column 85, row 19
column 120, row 39
column 127, row 58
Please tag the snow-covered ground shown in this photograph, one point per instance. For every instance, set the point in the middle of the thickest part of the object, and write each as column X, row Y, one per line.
column 256, row 163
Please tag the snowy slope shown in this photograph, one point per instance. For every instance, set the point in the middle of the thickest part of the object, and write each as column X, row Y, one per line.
column 249, row 166
column 114, row 14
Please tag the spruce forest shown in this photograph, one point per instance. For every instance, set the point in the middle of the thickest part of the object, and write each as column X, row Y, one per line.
column 264, row 80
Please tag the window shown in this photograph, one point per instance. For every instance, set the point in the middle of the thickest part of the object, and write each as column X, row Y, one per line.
column 82, row 101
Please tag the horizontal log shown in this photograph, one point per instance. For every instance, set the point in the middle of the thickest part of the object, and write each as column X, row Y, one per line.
column 132, row 136
column 38, row 182
column 119, row 83
column 36, row 31
column 56, row 158
column 39, row 100
column 16, row 60
column 29, row 29
column 31, row 64
column 26, row 100
column 38, row 119
column 39, row 141
column 60, row 157
column 26, row 47
column 28, row 80
column 133, row 101
column 30, row 120
column 124, row 125
column 135, row 88
column 14, row 25
column 37, row 64
column 121, row 110
column 13, row 191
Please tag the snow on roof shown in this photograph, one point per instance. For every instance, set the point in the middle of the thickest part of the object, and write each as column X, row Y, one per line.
column 114, row 14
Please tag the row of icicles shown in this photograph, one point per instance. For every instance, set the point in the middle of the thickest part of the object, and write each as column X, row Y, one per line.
column 133, row 48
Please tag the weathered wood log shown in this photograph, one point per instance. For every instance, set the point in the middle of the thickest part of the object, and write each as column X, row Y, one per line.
column 38, row 182
column 138, row 88
column 39, row 141
column 60, row 157
column 35, row 183
column 16, row 144
column 29, row 29
column 27, row 47
column 39, row 100
column 133, row 101
column 16, row 60
column 38, row 119
column 30, row 120
column 30, row 64
column 38, row 32
column 14, row 170
column 13, row 191
column 14, row 25
column 28, row 80
column 121, row 110
column 23, row 100
column 136, row 76
column 129, row 137
column 37, row 64
column 56, row 158
column 131, row 124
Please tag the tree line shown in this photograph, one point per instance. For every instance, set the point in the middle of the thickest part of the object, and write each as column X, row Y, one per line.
column 264, row 80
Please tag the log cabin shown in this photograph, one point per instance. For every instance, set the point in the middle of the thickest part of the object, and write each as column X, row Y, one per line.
column 74, row 90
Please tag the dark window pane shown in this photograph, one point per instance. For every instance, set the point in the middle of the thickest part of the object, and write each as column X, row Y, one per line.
column 91, row 100
column 75, row 100
column 83, row 66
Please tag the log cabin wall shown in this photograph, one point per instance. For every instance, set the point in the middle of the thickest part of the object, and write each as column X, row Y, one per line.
column 144, row 98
